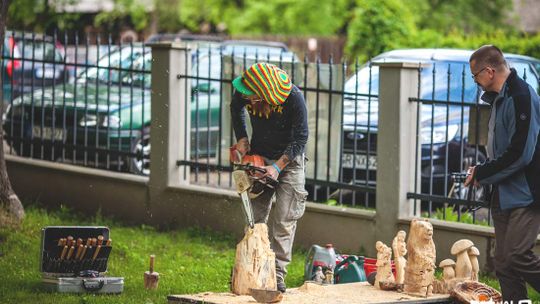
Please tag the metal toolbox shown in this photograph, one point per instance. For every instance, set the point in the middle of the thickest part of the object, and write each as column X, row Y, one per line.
column 74, row 259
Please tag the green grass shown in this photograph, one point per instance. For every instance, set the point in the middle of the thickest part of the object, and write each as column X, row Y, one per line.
column 189, row 261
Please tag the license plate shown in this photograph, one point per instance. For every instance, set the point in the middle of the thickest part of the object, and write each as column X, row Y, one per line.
column 360, row 160
column 48, row 133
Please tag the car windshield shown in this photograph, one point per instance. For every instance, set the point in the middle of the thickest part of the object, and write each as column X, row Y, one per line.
column 439, row 81
column 206, row 65
column 251, row 50
column 525, row 71
column 121, row 67
column 38, row 50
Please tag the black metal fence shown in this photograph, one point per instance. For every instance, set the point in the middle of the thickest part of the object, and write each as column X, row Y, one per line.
column 83, row 108
column 451, row 135
column 89, row 104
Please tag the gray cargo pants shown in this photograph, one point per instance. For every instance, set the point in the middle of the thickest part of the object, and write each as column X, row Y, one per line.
column 516, row 231
column 290, row 203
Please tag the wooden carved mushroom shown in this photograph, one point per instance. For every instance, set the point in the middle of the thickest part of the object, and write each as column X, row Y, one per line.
column 473, row 256
column 448, row 269
column 463, row 262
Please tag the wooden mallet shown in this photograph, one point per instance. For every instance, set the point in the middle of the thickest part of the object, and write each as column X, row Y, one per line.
column 151, row 278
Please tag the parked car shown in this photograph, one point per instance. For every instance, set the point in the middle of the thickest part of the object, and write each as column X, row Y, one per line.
column 447, row 77
column 30, row 61
column 106, row 111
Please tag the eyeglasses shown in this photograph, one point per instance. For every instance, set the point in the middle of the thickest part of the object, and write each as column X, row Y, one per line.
column 478, row 73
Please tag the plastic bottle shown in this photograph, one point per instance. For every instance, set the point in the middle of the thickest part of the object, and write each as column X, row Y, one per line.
column 319, row 256
column 331, row 256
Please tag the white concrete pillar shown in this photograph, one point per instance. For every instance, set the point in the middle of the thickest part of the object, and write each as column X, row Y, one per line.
column 396, row 146
column 171, row 114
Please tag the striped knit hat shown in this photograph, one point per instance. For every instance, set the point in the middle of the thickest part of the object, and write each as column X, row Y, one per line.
column 267, row 81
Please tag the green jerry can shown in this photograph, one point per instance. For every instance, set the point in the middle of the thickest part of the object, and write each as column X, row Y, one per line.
column 350, row 270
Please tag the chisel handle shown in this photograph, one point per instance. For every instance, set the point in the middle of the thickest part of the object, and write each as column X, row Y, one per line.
column 81, row 256
column 79, row 251
column 100, row 240
column 70, row 253
column 96, row 252
column 64, row 251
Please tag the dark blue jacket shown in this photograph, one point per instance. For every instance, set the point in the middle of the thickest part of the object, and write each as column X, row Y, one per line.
column 515, row 166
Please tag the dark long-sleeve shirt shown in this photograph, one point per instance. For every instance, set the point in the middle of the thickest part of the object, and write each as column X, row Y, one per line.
column 283, row 132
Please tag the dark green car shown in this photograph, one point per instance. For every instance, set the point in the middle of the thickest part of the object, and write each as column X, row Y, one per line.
column 103, row 118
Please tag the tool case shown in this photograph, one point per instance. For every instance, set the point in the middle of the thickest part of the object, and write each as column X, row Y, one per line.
column 68, row 267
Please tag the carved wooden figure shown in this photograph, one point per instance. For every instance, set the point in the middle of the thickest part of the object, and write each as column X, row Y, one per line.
column 473, row 256
column 420, row 268
column 384, row 264
column 400, row 250
column 448, row 269
column 463, row 262
column 319, row 275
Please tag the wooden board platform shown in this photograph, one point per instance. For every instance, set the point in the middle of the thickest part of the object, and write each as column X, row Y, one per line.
column 310, row 293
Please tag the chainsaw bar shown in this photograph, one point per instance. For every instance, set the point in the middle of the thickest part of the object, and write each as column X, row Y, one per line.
column 243, row 184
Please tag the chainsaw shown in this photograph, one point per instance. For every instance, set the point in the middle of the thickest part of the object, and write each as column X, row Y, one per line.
column 250, row 179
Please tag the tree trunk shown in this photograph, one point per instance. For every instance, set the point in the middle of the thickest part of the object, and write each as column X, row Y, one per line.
column 255, row 262
column 10, row 205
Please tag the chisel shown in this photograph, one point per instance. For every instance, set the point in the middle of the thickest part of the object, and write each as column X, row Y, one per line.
column 79, row 251
column 79, row 241
column 96, row 252
column 64, row 251
column 100, row 240
column 70, row 253
column 109, row 242
column 83, row 252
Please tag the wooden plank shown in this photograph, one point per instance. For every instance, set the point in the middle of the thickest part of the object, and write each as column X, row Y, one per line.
column 310, row 293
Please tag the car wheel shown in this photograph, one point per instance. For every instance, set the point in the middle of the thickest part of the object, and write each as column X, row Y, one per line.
column 140, row 163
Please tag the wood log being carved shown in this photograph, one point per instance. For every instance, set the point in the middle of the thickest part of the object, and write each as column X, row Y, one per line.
column 255, row 262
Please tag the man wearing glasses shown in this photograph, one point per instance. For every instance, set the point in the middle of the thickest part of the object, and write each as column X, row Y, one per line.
column 278, row 116
column 512, row 168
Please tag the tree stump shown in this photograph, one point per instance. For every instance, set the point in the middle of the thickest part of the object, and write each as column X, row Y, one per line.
column 255, row 262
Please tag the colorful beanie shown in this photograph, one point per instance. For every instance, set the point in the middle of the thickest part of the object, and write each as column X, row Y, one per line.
column 267, row 81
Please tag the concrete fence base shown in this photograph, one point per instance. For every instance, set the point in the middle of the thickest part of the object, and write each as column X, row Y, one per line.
column 126, row 197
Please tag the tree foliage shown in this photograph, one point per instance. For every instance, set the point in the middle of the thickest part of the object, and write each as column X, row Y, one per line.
column 132, row 10
column 40, row 15
column 304, row 17
column 377, row 26
column 463, row 16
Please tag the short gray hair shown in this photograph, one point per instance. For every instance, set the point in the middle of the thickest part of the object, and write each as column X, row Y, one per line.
column 489, row 55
